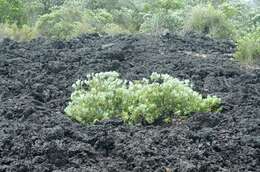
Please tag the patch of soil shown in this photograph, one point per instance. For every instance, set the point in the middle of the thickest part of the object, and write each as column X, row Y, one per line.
column 35, row 86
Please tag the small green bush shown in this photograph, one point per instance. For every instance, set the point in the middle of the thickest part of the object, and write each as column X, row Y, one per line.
column 161, row 97
column 248, row 48
column 208, row 20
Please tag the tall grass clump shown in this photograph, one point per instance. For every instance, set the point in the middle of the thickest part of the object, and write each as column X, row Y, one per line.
column 22, row 33
column 158, row 98
column 208, row 20
column 248, row 48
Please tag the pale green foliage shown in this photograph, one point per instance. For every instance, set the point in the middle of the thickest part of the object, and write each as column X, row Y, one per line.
column 246, row 19
column 161, row 97
column 208, row 20
column 23, row 33
column 228, row 9
column 243, row 17
column 112, row 28
column 248, row 48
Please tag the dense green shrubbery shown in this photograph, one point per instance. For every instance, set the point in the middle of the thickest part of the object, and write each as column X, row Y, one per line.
column 63, row 23
column 244, row 18
column 246, row 23
column 248, row 49
column 41, row 6
column 162, row 15
column 161, row 21
column 68, row 22
column 161, row 97
column 97, row 19
column 11, row 11
column 221, row 19
column 154, row 5
column 208, row 20
column 129, row 19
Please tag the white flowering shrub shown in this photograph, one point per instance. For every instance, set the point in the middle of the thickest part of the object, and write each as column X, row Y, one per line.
column 161, row 97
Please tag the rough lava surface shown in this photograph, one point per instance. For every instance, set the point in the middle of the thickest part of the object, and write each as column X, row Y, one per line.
column 35, row 86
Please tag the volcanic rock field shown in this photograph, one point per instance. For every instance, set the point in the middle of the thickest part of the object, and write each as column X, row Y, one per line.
column 36, row 83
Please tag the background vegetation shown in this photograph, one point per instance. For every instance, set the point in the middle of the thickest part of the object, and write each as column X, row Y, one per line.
column 64, row 19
